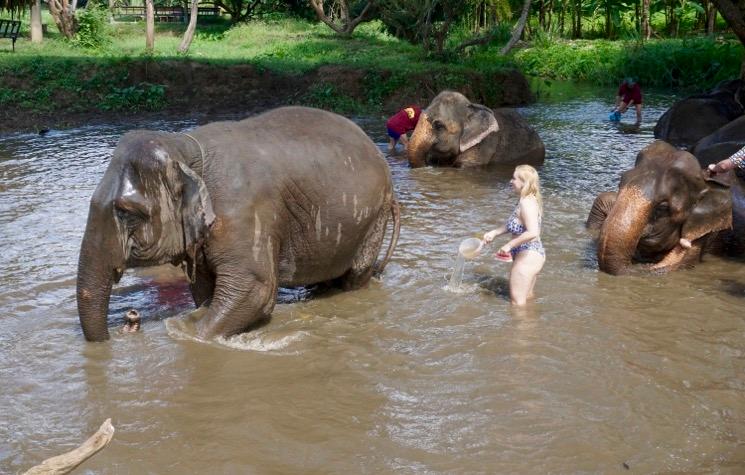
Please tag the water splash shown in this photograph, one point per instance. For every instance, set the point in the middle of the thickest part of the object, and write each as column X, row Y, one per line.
column 457, row 277
column 183, row 327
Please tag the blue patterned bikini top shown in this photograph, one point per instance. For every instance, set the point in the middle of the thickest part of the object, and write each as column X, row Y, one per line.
column 514, row 226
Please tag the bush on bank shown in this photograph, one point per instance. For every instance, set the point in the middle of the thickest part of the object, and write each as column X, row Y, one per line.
column 59, row 76
column 690, row 65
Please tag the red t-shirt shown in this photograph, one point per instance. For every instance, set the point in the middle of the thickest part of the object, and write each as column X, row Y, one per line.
column 630, row 93
column 404, row 120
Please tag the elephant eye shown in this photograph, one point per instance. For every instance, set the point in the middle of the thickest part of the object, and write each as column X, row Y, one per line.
column 662, row 209
column 438, row 125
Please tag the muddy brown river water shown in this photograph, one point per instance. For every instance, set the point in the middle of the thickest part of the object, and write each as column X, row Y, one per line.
column 401, row 377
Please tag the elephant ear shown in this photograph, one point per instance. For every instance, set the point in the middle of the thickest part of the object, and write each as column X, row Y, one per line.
column 196, row 212
column 479, row 123
column 712, row 212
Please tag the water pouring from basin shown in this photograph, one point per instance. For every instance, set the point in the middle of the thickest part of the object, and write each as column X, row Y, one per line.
column 468, row 249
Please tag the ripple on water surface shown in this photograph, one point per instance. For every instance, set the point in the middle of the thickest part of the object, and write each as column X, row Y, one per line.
column 402, row 375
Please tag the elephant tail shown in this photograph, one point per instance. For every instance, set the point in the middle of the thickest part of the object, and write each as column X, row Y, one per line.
column 396, row 215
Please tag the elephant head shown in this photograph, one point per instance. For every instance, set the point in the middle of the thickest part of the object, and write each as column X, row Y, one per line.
column 450, row 126
column 150, row 208
column 453, row 131
column 665, row 208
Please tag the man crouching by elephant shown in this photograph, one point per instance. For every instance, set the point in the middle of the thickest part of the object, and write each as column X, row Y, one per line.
column 666, row 213
column 453, row 131
column 291, row 197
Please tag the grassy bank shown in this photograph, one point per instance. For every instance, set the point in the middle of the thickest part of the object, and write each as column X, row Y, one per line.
column 691, row 65
column 375, row 72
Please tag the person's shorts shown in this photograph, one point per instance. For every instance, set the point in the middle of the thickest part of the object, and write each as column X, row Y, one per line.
column 393, row 134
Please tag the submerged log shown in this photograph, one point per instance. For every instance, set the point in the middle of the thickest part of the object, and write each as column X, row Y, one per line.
column 66, row 463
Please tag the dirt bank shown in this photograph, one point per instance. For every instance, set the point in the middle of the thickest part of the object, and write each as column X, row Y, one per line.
column 208, row 92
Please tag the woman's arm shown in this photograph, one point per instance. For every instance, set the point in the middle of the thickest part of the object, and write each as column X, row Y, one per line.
column 736, row 160
column 489, row 237
column 529, row 215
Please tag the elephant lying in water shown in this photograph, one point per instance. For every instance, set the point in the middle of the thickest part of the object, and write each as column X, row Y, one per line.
column 452, row 131
column 291, row 197
column 666, row 213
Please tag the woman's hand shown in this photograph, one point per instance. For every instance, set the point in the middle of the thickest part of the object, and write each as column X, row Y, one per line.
column 505, row 249
column 489, row 237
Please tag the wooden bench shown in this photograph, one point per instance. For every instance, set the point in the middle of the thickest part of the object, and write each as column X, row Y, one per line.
column 10, row 29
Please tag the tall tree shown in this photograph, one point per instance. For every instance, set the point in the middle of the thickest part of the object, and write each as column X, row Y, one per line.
column 646, row 28
column 733, row 12
column 518, row 31
column 345, row 24
column 63, row 14
column 37, row 34
column 149, row 26
column 189, row 33
column 239, row 10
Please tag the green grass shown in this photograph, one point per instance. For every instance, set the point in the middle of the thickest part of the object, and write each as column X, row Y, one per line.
column 58, row 74
column 688, row 64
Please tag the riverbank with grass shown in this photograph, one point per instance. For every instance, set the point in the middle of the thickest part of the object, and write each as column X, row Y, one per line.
column 262, row 64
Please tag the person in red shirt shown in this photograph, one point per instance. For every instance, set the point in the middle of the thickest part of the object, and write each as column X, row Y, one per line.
column 629, row 93
column 403, row 122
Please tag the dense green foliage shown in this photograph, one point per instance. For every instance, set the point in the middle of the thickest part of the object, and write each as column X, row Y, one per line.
column 695, row 63
column 59, row 75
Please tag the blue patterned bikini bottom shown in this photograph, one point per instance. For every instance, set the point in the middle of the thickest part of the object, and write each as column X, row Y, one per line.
column 531, row 245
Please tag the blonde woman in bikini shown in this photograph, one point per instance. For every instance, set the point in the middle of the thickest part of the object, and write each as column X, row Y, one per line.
column 525, row 247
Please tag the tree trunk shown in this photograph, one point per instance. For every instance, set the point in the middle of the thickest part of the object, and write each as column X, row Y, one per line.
column 518, row 31
column 149, row 26
column 734, row 14
column 346, row 25
column 608, row 25
column 63, row 14
column 189, row 33
column 711, row 17
column 646, row 31
column 37, row 33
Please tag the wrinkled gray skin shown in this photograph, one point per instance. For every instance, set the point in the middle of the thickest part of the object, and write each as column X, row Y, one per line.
column 721, row 144
column 695, row 117
column 291, row 197
column 452, row 131
column 665, row 197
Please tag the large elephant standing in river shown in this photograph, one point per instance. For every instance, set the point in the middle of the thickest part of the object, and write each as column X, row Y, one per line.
column 666, row 212
column 291, row 197
column 453, row 131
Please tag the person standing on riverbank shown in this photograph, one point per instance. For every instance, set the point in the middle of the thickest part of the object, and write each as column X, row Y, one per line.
column 736, row 160
column 400, row 124
column 525, row 247
column 629, row 93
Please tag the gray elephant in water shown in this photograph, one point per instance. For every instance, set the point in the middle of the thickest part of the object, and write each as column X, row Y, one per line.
column 291, row 197
column 453, row 131
column 695, row 117
column 666, row 213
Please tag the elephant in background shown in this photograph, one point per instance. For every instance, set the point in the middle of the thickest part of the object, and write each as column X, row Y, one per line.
column 721, row 143
column 452, row 131
column 695, row 117
column 291, row 197
column 666, row 212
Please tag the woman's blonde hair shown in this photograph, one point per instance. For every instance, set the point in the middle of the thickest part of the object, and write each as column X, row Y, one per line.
column 531, row 185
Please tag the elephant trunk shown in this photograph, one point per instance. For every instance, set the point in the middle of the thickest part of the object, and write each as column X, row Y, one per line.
column 622, row 229
column 420, row 142
column 101, row 263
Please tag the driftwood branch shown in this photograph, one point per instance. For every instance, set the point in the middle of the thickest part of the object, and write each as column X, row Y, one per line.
column 67, row 462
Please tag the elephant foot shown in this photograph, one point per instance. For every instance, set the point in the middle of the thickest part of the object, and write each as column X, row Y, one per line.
column 132, row 322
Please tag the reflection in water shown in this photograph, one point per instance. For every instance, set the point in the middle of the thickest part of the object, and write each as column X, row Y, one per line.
column 399, row 376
